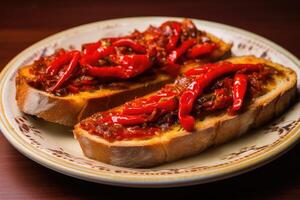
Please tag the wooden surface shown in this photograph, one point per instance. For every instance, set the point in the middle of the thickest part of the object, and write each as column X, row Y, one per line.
column 26, row 22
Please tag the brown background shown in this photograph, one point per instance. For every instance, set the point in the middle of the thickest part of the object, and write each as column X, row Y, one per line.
column 26, row 22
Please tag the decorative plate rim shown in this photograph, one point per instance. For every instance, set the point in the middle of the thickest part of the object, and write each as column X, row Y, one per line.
column 167, row 181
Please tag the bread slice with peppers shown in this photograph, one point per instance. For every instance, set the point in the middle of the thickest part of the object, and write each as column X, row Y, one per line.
column 71, row 85
column 208, row 106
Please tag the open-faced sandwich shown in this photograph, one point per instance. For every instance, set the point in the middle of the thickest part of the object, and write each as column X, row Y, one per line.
column 70, row 85
column 207, row 106
column 189, row 97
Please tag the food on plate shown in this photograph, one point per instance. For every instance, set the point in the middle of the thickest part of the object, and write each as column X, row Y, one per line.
column 206, row 106
column 70, row 84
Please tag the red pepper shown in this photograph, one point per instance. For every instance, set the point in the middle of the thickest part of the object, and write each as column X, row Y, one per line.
column 201, row 49
column 185, row 107
column 160, row 94
column 67, row 74
column 130, row 66
column 239, row 91
column 94, row 56
column 171, row 67
column 175, row 54
column 124, row 119
column 130, row 43
column 167, row 105
column 58, row 62
column 197, row 86
column 173, row 40
column 198, row 70
column 91, row 47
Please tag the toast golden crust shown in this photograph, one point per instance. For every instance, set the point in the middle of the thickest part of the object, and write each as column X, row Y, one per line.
column 214, row 130
column 71, row 109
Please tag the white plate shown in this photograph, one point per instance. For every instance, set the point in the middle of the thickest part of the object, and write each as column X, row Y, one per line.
column 54, row 146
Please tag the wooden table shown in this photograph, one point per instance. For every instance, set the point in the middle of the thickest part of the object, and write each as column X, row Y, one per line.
column 24, row 23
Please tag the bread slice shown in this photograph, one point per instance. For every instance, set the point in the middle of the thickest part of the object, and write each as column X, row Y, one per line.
column 69, row 110
column 214, row 130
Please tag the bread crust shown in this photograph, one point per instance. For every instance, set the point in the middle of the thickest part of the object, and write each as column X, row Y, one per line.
column 214, row 130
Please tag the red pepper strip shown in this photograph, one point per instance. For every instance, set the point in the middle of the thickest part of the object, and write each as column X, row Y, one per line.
column 196, row 88
column 130, row 66
column 130, row 43
column 185, row 107
column 173, row 40
column 150, row 102
column 171, row 67
column 58, row 62
column 124, row 119
column 239, row 91
column 152, row 99
column 73, row 63
column 90, row 47
column 175, row 54
column 93, row 57
column 167, row 105
column 198, row 70
column 201, row 49
column 161, row 94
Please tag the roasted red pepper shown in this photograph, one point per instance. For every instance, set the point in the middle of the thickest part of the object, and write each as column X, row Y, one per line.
column 239, row 91
column 167, row 105
column 201, row 49
column 130, row 43
column 67, row 74
column 171, row 66
column 58, row 62
column 128, row 119
column 90, row 47
column 173, row 39
column 199, row 70
column 93, row 57
column 130, row 66
column 177, row 53
column 197, row 86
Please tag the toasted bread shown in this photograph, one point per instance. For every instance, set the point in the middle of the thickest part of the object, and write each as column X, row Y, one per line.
column 214, row 130
column 69, row 110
